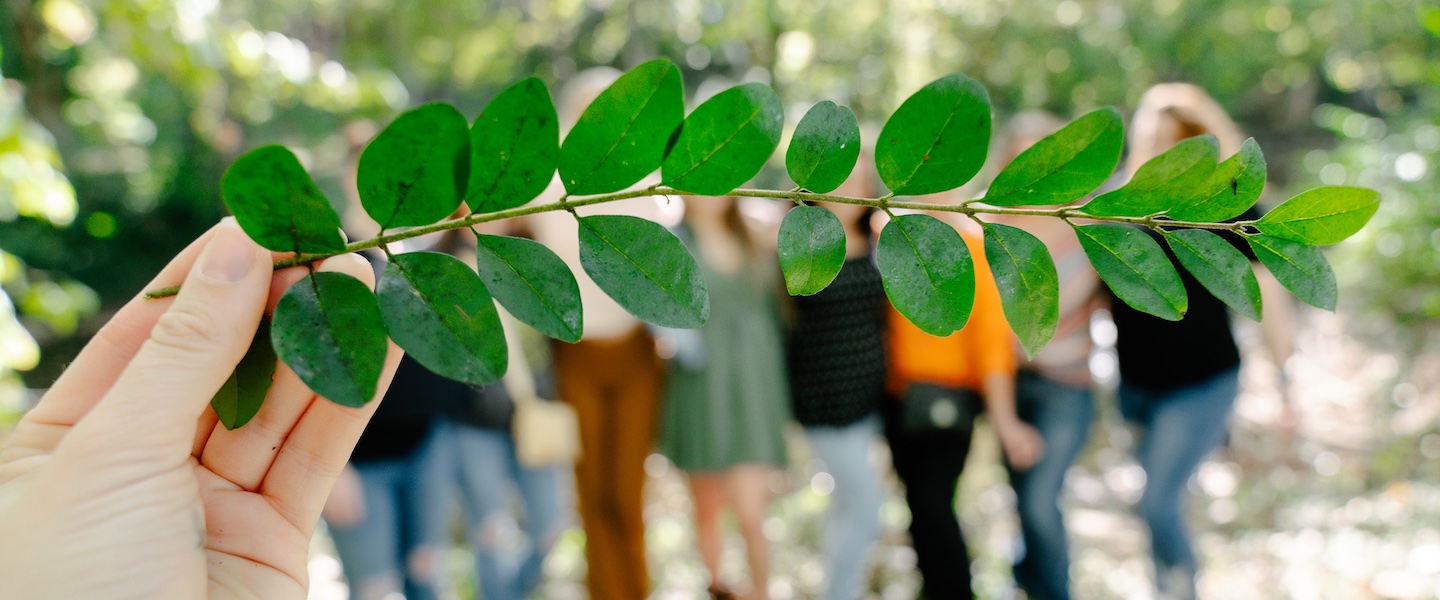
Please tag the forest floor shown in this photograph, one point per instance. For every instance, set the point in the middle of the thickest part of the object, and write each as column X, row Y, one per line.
column 1338, row 498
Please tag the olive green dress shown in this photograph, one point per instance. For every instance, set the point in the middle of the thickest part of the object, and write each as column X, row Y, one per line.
column 728, row 404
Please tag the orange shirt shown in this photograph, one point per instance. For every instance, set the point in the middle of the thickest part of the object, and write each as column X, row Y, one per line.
column 963, row 358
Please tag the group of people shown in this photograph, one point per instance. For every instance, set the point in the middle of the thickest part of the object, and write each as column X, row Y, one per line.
column 843, row 364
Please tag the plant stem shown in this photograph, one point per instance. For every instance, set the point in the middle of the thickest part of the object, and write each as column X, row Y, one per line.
column 885, row 202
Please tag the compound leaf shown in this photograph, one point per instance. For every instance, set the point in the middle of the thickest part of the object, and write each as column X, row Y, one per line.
column 1301, row 269
column 644, row 268
column 415, row 171
column 726, row 141
column 440, row 313
column 1219, row 267
column 1324, row 215
column 1233, row 188
column 278, row 205
column 824, row 148
column 1167, row 180
column 621, row 136
column 811, row 248
column 1028, row 283
column 534, row 284
column 240, row 398
column 937, row 139
column 514, row 147
column 928, row 273
column 1135, row 268
column 327, row 328
column 1063, row 167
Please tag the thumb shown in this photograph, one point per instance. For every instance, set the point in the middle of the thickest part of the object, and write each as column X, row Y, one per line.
column 193, row 347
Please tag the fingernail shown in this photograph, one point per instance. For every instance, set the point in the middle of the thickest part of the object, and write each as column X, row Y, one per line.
column 230, row 256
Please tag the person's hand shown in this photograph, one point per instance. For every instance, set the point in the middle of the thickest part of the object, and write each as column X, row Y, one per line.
column 1022, row 444
column 120, row 483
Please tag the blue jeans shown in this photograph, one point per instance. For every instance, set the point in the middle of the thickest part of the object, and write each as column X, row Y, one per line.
column 380, row 554
column 1179, row 427
column 481, row 464
column 1062, row 414
column 853, row 522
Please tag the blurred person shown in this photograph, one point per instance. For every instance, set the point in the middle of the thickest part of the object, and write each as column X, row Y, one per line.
column 950, row 378
column 1179, row 379
column 725, row 401
column 836, row 364
column 188, row 509
column 380, row 512
column 1052, row 389
column 383, row 510
column 476, row 457
column 612, row 377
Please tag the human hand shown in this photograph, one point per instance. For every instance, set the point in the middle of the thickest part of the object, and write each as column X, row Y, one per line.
column 121, row 484
column 1023, row 445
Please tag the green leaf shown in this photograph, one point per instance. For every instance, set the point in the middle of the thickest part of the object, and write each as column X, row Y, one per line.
column 277, row 204
column 824, row 148
column 1301, row 269
column 1029, row 286
column 726, row 141
column 327, row 328
column 646, row 269
column 1135, row 268
column 937, row 139
column 415, row 171
column 514, row 147
column 1063, row 167
column 534, row 284
column 1167, row 180
column 1324, row 215
column 439, row 312
column 928, row 273
column 1219, row 267
column 811, row 248
column 242, row 395
column 1233, row 188
column 621, row 136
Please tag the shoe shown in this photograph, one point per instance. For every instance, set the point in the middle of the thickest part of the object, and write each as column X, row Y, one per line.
column 718, row 591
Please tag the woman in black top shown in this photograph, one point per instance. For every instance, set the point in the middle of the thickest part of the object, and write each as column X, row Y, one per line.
column 837, row 378
column 1178, row 380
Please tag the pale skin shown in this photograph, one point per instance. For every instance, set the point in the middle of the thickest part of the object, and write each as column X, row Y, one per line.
column 121, row 484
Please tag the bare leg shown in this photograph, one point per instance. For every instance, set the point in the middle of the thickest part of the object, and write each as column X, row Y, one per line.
column 707, row 490
column 750, row 495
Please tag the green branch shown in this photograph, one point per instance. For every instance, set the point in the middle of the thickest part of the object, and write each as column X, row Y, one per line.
column 969, row 208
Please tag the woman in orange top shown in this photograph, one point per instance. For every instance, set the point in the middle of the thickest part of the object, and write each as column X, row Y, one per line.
column 976, row 360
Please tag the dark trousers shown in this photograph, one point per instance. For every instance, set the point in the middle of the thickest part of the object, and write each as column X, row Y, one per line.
column 930, row 469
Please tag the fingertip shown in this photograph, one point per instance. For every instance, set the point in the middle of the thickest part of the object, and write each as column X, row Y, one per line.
column 351, row 264
column 280, row 282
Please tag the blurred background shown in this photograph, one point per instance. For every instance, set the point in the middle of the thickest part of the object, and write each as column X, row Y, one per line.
column 118, row 118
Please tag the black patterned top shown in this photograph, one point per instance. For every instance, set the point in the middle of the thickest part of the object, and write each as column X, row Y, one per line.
column 837, row 348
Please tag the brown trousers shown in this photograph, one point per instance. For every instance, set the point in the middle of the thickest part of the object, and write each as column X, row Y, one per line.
column 615, row 388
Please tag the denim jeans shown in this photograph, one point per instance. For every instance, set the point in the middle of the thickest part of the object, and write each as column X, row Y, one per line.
column 1178, row 428
column 379, row 554
column 853, row 522
column 480, row 464
column 1062, row 414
